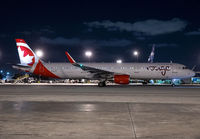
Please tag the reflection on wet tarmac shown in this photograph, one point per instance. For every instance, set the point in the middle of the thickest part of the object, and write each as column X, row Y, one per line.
column 25, row 106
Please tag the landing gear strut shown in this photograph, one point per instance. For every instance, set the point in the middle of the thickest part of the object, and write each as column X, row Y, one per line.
column 102, row 84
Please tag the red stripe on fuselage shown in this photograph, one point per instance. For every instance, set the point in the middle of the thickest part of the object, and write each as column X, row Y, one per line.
column 40, row 69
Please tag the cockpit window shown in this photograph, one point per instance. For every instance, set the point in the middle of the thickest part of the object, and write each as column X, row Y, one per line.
column 185, row 67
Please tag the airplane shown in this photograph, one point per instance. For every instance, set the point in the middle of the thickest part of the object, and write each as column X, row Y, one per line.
column 119, row 73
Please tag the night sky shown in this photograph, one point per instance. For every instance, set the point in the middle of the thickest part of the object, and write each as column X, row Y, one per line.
column 111, row 29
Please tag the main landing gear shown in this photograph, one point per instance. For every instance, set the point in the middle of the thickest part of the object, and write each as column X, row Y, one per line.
column 173, row 84
column 102, row 84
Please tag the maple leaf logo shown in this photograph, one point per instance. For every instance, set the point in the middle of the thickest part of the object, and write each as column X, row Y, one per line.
column 26, row 56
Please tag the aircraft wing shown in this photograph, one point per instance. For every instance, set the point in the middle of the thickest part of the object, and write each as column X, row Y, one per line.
column 97, row 73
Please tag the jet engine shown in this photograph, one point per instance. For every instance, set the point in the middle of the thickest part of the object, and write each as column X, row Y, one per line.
column 122, row 79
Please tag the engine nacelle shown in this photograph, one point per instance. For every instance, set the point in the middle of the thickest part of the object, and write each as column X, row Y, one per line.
column 122, row 79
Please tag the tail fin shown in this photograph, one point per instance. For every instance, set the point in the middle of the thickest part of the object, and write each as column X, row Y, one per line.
column 26, row 55
column 151, row 56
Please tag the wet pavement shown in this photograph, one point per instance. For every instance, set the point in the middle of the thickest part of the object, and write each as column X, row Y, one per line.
column 169, row 116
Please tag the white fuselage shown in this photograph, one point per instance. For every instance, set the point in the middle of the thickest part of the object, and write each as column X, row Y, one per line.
column 135, row 70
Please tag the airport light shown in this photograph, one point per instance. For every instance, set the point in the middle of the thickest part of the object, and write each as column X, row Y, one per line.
column 8, row 73
column 39, row 53
column 119, row 61
column 88, row 54
column 1, row 71
column 136, row 54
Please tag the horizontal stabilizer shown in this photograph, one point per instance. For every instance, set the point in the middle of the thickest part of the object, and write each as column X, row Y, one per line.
column 21, row 67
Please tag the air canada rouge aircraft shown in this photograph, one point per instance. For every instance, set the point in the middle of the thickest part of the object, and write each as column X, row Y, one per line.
column 120, row 73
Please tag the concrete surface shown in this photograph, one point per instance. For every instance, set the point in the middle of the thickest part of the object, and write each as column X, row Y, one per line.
column 89, row 112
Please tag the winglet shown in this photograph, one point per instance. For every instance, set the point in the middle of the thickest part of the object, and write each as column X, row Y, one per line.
column 71, row 60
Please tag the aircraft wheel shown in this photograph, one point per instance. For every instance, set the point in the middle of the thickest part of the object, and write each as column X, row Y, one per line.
column 173, row 85
column 145, row 83
column 102, row 84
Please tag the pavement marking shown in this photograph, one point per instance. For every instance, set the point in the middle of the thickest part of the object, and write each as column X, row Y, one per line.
column 132, row 122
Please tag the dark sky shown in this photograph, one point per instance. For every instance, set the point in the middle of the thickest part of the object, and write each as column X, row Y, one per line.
column 111, row 29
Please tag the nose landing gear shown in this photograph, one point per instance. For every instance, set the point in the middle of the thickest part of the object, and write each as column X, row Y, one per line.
column 173, row 84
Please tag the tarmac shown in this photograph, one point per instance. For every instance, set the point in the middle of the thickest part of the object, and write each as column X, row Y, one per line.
column 90, row 112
